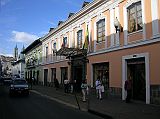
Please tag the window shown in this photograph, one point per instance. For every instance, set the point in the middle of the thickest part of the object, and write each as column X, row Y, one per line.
column 46, row 52
column 101, row 30
column 134, row 17
column 54, row 49
column 54, row 45
column 64, row 42
column 79, row 39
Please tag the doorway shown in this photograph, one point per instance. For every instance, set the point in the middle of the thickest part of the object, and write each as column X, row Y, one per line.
column 137, row 65
column 37, row 77
column 53, row 74
column 101, row 70
column 136, row 69
column 45, row 76
column 78, row 76
column 64, row 74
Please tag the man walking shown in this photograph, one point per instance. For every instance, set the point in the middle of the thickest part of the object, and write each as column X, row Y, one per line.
column 128, row 88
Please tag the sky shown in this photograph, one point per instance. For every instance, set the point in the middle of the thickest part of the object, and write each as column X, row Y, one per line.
column 23, row 21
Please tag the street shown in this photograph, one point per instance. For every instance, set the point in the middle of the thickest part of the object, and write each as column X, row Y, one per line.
column 36, row 107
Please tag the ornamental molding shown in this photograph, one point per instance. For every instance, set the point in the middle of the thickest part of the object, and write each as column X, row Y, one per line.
column 130, row 2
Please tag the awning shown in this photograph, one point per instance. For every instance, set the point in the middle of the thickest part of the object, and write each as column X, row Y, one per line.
column 68, row 52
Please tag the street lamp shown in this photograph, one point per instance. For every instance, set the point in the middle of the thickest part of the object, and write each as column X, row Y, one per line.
column 117, row 25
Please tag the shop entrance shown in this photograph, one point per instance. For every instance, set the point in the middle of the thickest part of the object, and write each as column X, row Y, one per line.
column 45, row 76
column 136, row 69
column 53, row 75
column 37, row 81
column 78, row 71
column 64, row 74
column 101, row 70
column 78, row 77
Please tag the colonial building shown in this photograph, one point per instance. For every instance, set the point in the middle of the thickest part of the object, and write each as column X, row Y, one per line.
column 112, row 39
column 33, row 60
column 18, row 66
column 5, row 65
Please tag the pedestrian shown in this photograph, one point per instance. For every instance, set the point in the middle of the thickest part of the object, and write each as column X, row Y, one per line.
column 84, row 90
column 56, row 83
column 33, row 79
column 98, row 88
column 71, row 85
column 128, row 88
column 66, row 85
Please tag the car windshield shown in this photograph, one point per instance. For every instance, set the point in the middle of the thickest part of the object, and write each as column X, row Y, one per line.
column 19, row 82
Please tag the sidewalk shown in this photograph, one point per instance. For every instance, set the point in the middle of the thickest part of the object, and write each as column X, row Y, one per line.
column 108, row 107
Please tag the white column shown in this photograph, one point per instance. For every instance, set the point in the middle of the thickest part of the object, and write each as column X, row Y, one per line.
column 147, row 78
column 106, row 32
column 124, row 76
column 112, row 26
column 118, row 33
column 43, row 54
column 91, row 66
column 154, row 10
column 75, row 37
column 71, row 37
column 143, row 19
column 73, row 40
column 89, row 34
column 125, row 29
column 95, row 37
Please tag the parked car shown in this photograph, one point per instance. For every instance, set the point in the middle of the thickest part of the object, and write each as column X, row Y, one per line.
column 19, row 86
column 7, row 80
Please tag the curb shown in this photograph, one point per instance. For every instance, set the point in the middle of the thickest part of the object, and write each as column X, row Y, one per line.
column 57, row 100
column 99, row 114
column 73, row 106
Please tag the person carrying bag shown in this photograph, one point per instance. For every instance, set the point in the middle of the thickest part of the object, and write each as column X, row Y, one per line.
column 98, row 88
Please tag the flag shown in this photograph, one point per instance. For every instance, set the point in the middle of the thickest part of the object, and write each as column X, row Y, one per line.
column 86, row 42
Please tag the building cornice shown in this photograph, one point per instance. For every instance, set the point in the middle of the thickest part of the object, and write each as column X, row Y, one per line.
column 83, row 12
column 75, row 17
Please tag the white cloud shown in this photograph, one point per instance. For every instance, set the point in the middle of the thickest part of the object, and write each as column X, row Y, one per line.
column 2, row 52
column 23, row 37
column 4, row 2
column 43, row 33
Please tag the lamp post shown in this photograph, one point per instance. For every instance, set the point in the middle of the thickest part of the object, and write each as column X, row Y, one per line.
column 117, row 25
